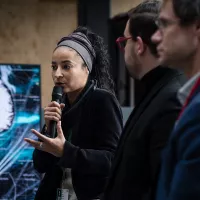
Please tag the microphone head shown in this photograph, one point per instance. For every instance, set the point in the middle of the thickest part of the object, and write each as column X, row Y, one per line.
column 57, row 93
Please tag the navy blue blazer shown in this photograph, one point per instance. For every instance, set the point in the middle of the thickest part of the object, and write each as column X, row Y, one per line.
column 180, row 173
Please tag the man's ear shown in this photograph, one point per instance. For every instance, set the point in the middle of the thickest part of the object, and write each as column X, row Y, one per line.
column 198, row 27
column 140, row 46
column 195, row 28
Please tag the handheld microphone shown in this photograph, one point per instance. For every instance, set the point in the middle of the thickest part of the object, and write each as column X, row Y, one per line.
column 56, row 96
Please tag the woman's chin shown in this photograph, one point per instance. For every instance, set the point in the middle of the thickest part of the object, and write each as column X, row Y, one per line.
column 66, row 90
column 69, row 91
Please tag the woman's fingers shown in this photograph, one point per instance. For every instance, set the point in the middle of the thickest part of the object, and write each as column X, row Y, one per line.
column 54, row 104
column 35, row 144
column 52, row 116
column 59, row 129
column 53, row 110
column 53, row 146
column 62, row 105
column 40, row 136
column 53, row 113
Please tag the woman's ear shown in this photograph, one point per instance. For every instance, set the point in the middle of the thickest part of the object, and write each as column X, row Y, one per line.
column 87, row 70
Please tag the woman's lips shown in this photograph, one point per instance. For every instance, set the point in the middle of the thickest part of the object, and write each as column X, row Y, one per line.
column 60, row 84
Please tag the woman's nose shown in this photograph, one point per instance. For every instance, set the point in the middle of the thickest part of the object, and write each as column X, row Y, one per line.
column 58, row 73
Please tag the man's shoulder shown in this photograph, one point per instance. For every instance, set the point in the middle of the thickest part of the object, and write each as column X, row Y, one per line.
column 165, row 101
column 102, row 98
column 186, row 131
column 103, row 95
column 171, row 85
column 175, row 79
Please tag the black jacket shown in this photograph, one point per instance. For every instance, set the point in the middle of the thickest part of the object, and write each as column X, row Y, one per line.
column 95, row 121
column 137, row 159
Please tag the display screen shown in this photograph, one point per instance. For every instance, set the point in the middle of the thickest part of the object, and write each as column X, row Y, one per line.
column 20, row 107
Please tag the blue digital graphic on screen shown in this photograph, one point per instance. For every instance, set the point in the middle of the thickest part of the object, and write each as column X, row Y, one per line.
column 19, row 112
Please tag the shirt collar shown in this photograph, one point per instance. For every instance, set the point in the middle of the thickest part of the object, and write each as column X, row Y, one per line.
column 184, row 91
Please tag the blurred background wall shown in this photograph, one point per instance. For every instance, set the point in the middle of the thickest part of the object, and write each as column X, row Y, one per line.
column 118, row 6
column 29, row 30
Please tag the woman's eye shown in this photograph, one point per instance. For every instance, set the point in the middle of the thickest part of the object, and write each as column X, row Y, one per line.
column 66, row 67
column 54, row 67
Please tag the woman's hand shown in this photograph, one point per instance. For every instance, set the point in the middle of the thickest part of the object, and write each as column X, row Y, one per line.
column 54, row 146
column 53, row 112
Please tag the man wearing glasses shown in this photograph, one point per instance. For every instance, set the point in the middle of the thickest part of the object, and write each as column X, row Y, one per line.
column 178, row 40
column 136, row 164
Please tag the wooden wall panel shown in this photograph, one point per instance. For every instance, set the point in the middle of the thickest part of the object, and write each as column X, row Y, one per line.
column 29, row 30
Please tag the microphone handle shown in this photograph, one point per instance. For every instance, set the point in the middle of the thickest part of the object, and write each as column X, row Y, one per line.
column 52, row 129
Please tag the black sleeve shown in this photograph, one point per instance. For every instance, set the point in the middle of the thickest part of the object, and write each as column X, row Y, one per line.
column 107, row 123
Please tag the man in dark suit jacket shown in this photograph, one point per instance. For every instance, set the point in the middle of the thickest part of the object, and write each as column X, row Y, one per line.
column 136, row 164
column 179, row 35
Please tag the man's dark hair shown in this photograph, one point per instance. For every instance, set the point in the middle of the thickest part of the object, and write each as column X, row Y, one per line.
column 142, row 22
column 187, row 11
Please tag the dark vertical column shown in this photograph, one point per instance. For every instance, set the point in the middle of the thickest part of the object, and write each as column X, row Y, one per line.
column 95, row 14
column 117, row 25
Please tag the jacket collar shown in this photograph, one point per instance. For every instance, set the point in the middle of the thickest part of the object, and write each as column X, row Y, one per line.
column 184, row 91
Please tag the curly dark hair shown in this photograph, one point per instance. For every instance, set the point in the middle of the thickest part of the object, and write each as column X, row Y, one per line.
column 101, row 66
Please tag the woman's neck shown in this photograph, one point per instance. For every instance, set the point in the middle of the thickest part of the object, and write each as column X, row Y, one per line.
column 72, row 96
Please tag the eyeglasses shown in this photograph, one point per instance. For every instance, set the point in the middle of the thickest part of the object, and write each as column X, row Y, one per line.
column 164, row 23
column 121, row 42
